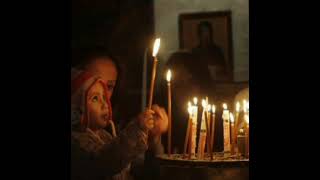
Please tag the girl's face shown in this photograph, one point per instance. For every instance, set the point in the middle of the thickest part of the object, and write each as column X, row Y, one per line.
column 97, row 107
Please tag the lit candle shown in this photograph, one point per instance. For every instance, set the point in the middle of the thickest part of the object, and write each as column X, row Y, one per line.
column 232, row 129
column 226, row 128
column 186, row 139
column 203, row 140
column 209, row 127
column 213, row 111
column 225, row 114
column 237, row 121
column 207, row 139
column 241, row 142
column 169, row 112
column 191, row 132
column 194, row 126
column 207, row 114
column 154, row 69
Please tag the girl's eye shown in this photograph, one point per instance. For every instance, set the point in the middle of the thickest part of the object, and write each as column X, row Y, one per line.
column 95, row 99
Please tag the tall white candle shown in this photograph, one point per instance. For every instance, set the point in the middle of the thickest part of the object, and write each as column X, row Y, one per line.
column 188, row 131
column 194, row 126
column 169, row 112
column 232, row 130
column 226, row 128
column 237, row 121
column 204, row 126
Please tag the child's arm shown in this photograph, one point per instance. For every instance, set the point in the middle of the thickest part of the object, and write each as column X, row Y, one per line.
column 111, row 158
column 117, row 155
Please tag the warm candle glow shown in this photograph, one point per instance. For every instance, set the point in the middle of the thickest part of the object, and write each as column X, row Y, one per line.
column 189, row 107
column 190, row 110
column 195, row 100
column 247, row 106
column 213, row 108
column 246, row 118
column 231, row 118
column 204, row 103
column 244, row 103
column 238, row 107
column 169, row 75
column 209, row 107
column 225, row 107
column 156, row 47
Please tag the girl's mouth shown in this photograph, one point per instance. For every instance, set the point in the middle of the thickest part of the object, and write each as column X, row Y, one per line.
column 105, row 117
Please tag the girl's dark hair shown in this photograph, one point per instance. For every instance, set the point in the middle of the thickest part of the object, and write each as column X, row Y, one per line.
column 87, row 56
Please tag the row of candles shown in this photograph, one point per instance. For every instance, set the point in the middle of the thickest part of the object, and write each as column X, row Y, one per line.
column 206, row 138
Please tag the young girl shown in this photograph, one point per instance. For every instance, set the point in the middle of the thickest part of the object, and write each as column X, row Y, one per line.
column 95, row 153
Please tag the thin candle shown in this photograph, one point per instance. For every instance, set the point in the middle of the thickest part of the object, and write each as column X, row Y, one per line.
column 213, row 112
column 169, row 112
column 188, row 130
column 232, row 130
column 156, row 47
column 194, row 126
column 226, row 128
column 209, row 128
column 237, row 121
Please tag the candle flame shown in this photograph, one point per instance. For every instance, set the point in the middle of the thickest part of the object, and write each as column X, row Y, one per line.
column 204, row 103
column 231, row 118
column 195, row 100
column 225, row 107
column 238, row 107
column 241, row 130
column 213, row 108
column 189, row 104
column 156, row 47
column 169, row 75
column 209, row 107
